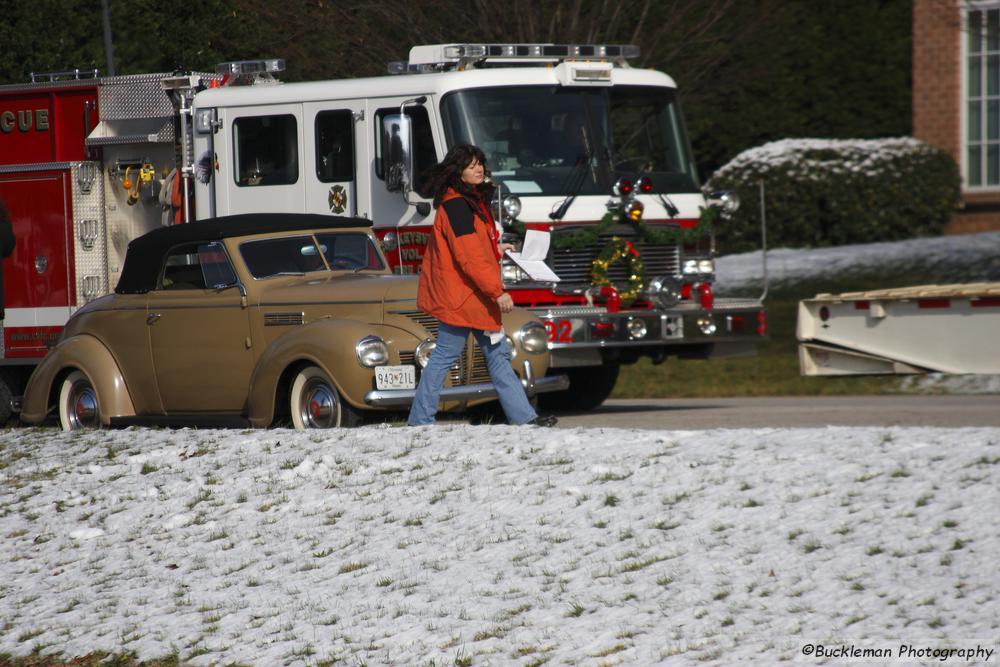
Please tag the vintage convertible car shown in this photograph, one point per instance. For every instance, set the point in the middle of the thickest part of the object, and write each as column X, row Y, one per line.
column 257, row 319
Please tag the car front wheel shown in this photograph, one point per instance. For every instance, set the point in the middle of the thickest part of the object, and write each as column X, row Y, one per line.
column 316, row 403
column 79, row 406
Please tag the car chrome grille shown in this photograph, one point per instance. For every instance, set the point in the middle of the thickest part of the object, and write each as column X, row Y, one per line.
column 461, row 372
column 573, row 265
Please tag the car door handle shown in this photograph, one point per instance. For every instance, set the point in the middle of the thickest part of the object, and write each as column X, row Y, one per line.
column 152, row 317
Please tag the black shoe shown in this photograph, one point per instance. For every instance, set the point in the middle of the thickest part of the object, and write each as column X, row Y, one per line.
column 545, row 421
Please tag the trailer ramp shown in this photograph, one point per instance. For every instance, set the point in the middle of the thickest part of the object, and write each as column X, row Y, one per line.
column 928, row 328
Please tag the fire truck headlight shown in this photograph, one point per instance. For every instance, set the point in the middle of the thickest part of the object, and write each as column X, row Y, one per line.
column 372, row 351
column 512, row 273
column 666, row 290
column 636, row 328
column 534, row 338
column 706, row 266
column 690, row 266
column 512, row 206
column 707, row 325
column 423, row 352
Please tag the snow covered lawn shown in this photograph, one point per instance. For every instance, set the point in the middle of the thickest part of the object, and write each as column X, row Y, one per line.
column 497, row 545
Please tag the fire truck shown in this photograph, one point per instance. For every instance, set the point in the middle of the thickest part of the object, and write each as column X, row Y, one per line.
column 580, row 144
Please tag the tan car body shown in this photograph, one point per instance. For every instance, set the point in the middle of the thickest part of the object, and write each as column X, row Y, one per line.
column 232, row 353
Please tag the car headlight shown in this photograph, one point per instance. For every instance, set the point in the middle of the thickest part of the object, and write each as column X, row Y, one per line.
column 534, row 338
column 423, row 352
column 372, row 351
column 511, row 346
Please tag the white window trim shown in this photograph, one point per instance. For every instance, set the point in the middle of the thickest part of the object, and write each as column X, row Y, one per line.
column 963, row 69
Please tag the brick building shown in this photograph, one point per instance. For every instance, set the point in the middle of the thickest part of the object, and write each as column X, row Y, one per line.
column 956, row 98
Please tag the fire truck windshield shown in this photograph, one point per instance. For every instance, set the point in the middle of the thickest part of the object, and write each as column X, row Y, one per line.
column 538, row 139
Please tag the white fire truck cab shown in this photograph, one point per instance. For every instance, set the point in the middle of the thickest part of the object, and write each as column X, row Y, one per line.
column 579, row 143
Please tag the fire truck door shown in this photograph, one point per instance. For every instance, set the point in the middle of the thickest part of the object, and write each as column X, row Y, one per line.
column 336, row 158
column 261, row 160
column 37, row 276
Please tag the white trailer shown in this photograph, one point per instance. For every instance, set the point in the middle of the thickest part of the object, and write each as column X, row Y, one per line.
column 929, row 328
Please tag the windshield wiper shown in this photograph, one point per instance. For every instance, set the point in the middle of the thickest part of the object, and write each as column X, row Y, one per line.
column 575, row 180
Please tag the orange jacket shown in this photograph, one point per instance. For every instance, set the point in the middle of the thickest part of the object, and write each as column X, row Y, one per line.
column 460, row 275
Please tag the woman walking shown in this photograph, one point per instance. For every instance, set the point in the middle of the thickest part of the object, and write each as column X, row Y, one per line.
column 460, row 285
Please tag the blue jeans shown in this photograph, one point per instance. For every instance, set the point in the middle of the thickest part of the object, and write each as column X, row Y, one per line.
column 450, row 343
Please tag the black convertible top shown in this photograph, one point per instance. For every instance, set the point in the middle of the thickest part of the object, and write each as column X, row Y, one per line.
column 145, row 253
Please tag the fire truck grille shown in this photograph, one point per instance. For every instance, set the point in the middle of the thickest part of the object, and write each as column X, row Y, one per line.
column 573, row 265
column 462, row 371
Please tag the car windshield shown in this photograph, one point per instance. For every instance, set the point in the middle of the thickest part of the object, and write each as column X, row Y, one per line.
column 308, row 254
column 544, row 139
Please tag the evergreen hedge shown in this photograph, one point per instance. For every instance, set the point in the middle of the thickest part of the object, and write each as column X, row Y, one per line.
column 821, row 192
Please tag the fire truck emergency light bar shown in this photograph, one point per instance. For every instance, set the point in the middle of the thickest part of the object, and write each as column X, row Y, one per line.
column 249, row 67
column 441, row 56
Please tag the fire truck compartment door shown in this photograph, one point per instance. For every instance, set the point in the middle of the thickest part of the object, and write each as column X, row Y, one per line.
column 37, row 276
column 262, row 159
column 336, row 157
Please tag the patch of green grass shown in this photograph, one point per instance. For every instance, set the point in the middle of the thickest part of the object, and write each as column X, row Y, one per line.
column 352, row 566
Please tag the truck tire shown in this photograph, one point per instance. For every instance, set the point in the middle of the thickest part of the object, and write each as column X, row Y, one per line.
column 588, row 388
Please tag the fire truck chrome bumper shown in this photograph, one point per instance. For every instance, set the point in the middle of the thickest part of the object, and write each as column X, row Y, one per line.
column 389, row 398
column 596, row 327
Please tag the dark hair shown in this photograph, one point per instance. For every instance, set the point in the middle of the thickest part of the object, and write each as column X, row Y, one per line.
column 448, row 174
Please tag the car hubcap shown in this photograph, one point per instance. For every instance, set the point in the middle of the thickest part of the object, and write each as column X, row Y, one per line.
column 84, row 412
column 319, row 405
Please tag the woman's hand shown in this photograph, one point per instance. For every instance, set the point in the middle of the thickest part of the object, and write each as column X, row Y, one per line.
column 505, row 302
column 504, row 247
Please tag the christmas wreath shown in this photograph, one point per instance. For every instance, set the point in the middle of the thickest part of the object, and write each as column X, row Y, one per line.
column 616, row 250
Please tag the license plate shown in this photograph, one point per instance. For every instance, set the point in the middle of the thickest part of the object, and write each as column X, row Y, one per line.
column 395, row 377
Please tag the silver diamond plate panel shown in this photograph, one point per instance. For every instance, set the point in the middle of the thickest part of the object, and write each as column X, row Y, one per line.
column 90, row 244
column 133, row 96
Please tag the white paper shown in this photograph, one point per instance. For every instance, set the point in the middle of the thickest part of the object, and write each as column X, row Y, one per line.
column 531, row 259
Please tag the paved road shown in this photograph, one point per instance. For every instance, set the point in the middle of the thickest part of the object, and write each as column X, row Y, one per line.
column 792, row 412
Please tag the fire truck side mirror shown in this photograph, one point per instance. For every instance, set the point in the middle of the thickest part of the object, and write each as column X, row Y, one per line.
column 397, row 156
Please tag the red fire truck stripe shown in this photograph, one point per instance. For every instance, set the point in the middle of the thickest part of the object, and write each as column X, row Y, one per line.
column 986, row 302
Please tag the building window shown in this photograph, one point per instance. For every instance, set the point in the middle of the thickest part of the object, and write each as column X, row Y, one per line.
column 982, row 138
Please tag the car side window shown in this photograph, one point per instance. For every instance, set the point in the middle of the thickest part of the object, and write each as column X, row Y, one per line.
column 182, row 270
column 197, row 266
column 215, row 266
